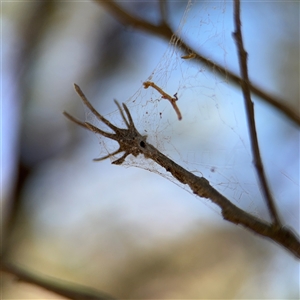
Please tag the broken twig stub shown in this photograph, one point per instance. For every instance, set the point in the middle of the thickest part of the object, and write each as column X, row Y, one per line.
column 164, row 95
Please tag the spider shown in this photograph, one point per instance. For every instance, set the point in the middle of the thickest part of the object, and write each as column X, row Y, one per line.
column 130, row 140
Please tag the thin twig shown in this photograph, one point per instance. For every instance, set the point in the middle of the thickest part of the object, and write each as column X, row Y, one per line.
column 132, row 142
column 165, row 96
column 242, row 55
column 59, row 287
column 164, row 31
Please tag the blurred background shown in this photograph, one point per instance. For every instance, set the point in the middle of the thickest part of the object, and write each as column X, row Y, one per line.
column 124, row 230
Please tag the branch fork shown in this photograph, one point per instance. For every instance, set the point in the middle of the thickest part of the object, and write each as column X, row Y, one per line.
column 132, row 142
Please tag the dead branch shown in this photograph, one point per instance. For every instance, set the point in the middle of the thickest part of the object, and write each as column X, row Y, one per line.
column 132, row 142
column 165, row 96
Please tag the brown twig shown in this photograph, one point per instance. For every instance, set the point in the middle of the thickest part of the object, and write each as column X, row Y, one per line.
column 59, row 287
column 164, row 31
column 132, row 142
column 242, row 55
column 165, row 96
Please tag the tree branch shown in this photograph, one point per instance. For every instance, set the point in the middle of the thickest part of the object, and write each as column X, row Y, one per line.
column 165, row 96
column 164, row 31
column 242, row 55
column 132, row 142
column 62, row 288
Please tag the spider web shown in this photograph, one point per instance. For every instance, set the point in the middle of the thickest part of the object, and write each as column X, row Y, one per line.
column 211, row 140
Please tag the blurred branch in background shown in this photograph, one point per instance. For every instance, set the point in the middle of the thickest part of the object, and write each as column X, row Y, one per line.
column 163, row 30
column 33, row 25
column 60, row 287
column 32, row 152
column 41, row 13
column 176, row 268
